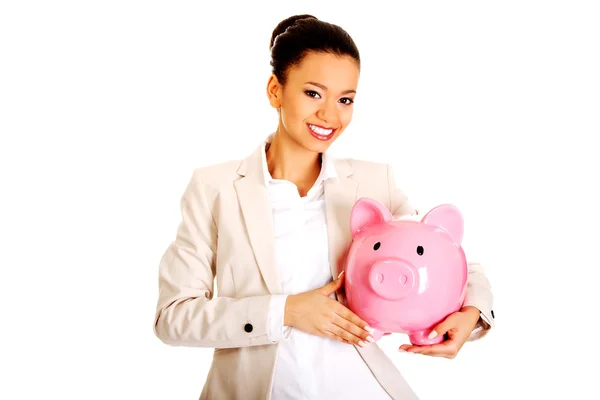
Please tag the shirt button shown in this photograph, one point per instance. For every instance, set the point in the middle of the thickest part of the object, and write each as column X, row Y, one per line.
column 248, row 328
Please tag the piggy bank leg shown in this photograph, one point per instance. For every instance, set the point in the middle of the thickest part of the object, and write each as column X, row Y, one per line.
column 420, row 338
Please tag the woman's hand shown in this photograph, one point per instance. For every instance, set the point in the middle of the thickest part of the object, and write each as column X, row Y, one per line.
column 316, row 313
column 458, row 326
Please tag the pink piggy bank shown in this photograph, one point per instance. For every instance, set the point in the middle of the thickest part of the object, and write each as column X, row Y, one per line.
column 405, row 276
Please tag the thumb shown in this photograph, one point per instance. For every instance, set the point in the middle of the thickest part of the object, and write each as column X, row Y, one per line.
column 441, row 328
column 334, row 285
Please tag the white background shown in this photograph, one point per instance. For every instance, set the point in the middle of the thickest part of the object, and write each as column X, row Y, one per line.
column 106, row 108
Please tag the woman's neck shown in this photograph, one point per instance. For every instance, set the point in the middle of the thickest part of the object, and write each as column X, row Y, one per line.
column 289, row 161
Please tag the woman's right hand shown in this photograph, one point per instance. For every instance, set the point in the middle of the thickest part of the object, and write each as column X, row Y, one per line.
column 316, row 313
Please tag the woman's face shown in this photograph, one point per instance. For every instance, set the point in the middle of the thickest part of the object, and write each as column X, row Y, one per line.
column 316, row 102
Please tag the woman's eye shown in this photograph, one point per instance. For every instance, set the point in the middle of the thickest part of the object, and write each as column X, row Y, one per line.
column 312, row 93
column 347, row 101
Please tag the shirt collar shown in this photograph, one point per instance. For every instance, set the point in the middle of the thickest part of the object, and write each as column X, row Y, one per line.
column 328, row 170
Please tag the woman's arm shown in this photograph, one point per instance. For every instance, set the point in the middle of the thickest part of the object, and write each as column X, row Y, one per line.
column 479, row 295
column 186, row 312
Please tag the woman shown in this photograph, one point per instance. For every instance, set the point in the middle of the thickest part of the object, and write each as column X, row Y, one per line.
column 272, row 230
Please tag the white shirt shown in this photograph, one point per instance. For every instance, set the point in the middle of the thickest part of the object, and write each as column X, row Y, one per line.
column 309, row 366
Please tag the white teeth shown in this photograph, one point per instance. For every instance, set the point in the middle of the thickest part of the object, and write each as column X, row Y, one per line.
column 320, row 131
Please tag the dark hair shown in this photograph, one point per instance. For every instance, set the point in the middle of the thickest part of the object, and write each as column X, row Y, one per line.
column 295, row 36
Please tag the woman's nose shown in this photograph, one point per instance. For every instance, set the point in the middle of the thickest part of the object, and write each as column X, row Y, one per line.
column 328, row 113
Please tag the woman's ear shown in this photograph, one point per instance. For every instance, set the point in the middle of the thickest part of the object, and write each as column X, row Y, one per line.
column 274, row 91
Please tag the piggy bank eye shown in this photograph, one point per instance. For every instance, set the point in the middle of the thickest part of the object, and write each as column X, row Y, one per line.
column 377, row 246
column 420, row 250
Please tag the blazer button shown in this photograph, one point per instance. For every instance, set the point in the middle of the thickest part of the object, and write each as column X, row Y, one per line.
column 248, row 328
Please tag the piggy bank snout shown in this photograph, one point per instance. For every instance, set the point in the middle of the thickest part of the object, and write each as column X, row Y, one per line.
column 392, row 279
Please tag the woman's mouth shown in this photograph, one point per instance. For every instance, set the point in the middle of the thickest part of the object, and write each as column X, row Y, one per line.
column 320, row 132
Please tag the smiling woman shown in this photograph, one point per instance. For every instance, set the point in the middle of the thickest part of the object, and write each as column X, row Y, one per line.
column 316, row 67
column 312, row 107
column 272, row 230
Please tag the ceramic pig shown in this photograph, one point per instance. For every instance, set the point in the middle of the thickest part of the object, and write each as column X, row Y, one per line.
column 405, row 276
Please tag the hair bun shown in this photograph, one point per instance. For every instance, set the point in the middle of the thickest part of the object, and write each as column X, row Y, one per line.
column 285, row 24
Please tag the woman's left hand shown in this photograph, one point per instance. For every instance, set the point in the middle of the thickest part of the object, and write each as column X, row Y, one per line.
column 458, row 326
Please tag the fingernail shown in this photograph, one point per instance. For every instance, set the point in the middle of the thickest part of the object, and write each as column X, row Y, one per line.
column 402, row 350
column 370, row 339
column 432, row 334
column 340, row 274
column 361, row 343
column 369, row 329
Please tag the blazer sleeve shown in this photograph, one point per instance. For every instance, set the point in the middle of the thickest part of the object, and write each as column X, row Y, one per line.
column 187, row 314
column 479, row 293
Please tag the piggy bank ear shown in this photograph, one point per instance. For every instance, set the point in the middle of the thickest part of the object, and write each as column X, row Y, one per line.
column 367, row 212
column 449, row 218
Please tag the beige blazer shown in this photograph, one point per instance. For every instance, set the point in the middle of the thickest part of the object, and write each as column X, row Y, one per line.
column 226, row 234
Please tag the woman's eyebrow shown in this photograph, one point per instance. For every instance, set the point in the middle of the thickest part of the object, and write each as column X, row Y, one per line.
column 325, row 87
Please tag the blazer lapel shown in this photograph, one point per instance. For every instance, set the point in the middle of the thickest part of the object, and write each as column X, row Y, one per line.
column 340, row 196
column 253, row 196
column 255, row 204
